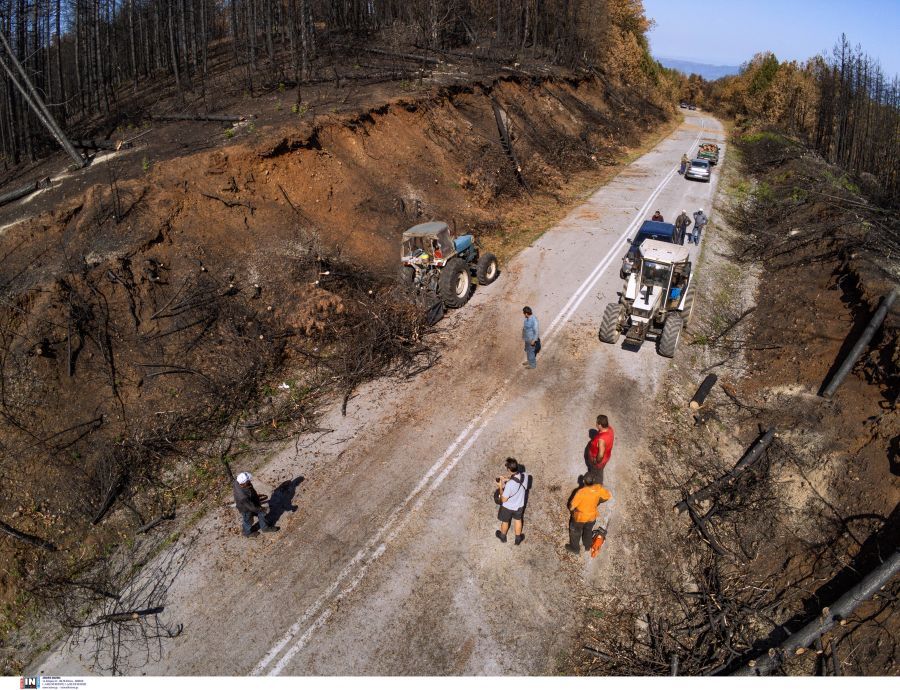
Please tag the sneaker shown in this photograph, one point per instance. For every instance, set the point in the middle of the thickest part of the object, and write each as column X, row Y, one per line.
column 251, row 535
column 270, row 529
column 520, row 539
column 572, row 549
column 500, row 536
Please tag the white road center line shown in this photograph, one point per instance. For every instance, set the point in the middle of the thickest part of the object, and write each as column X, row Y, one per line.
column 376, row 546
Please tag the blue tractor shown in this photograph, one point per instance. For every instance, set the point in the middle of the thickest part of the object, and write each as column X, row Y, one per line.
column 433, row 261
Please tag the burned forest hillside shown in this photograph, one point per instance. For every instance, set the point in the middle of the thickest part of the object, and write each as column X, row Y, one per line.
column 147, row 321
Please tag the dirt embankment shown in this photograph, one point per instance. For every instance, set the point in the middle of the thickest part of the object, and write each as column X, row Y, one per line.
column 790, row 277
column 149, row 317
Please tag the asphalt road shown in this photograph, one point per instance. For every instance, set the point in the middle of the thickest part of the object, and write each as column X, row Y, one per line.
column 389, row 565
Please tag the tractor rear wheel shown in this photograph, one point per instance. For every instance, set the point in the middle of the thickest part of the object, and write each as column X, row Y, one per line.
column 688, row 308
column 487, row 270
column 454, row 284
column 611, row 324
column 671, row 333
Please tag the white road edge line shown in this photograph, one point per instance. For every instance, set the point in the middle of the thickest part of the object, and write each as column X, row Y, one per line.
column 578, row 297
column 481, row 420
column 496, row 403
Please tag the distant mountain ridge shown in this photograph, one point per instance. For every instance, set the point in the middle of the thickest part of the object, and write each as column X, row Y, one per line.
column 708, row 72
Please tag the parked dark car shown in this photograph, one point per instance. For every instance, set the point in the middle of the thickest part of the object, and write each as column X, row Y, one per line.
column 649, row 230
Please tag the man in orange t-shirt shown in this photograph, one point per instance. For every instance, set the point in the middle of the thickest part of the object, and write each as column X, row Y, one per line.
column 583, row 509
column 601, row 447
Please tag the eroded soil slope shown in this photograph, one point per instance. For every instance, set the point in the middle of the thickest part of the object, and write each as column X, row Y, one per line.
column 141, row 318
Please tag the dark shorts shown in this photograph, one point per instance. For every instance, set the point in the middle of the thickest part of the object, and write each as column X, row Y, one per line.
column 505, row 514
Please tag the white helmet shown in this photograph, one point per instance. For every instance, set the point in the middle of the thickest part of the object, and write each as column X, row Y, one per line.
column 244, row 477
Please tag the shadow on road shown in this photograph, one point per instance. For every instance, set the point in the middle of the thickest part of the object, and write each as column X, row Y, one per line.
column 280, row 502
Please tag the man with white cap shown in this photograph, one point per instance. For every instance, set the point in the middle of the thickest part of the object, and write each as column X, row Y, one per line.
column 248, row 503
column 700, row 221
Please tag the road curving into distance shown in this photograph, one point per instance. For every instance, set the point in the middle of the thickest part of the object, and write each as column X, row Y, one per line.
column 389, row 564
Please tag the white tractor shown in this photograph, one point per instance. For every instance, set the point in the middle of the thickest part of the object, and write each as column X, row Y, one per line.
column 658, row 299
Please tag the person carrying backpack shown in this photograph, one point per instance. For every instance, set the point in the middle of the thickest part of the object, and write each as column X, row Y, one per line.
column 512, row 493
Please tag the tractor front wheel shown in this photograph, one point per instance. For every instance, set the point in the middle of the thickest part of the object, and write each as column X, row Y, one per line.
column 454, row 284
column 668, row 340
column 487, row 270
column 610, row 327
column 407, row 275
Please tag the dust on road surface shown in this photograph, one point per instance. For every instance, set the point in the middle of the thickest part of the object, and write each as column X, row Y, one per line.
column 390, row 565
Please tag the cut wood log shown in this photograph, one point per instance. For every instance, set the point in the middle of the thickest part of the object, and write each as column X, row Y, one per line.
column 832, row 615
column 749, row 459
column 25, row 190
column 199, row 118
column 853, row 355
column 703, row 391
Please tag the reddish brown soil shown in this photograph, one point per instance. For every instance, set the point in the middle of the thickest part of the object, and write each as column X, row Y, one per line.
column 143, row 308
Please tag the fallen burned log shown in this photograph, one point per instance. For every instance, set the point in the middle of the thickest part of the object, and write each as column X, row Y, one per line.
column 158, row 521
column 506, row 142
column 831, row 615
column 874, row 323
column 749, row 459
column 199, row 118
column 25, row 190
column 101, row 145
column 703, row 391
column 401, row 56
column 27, row 538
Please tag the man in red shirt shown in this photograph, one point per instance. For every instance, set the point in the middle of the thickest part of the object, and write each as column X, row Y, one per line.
column 601, row 446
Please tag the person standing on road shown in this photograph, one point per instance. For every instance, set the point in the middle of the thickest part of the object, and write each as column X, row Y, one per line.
column 601, row 446
column 684, row 163
column 530, row 336
column 583, row 512
column 512, row 492
column 682, row 222
column 700, row 221
column 248, row 503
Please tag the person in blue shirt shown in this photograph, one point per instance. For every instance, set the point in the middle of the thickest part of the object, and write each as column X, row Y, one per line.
column 530, row 336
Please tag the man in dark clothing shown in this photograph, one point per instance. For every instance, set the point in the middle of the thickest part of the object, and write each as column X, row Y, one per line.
column 682, row 222
column 248, row 503
column 657, row 216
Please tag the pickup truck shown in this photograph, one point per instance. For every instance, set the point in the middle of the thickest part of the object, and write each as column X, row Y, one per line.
column 709, row 152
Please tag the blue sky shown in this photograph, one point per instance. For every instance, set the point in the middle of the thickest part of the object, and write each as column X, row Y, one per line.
column 730, row 33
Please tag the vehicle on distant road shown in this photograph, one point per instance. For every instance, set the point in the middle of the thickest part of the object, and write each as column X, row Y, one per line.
column 657, row 302
column 683, row 105
column 699, row 169
column 692, row 107
column 649, row 230
column 709, row 152
column 434, row 261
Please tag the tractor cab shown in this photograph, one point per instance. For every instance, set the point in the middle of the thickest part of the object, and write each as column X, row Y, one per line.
column 657, row 300
column 427, row 244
